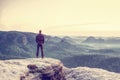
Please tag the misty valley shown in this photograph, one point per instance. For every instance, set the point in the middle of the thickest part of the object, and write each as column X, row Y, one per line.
column 95, row 52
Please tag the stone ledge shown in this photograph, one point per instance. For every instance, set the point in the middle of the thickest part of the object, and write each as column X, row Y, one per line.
column 53, row 71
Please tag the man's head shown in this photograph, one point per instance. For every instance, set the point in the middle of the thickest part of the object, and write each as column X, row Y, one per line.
column 40, row 31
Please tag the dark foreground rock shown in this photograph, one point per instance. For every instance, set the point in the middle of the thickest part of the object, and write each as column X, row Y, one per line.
column 52, row 71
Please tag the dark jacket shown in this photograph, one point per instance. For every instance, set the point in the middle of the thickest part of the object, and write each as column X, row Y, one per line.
column 40, row 39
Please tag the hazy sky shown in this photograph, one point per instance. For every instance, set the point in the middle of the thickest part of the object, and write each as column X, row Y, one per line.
column 62, row 17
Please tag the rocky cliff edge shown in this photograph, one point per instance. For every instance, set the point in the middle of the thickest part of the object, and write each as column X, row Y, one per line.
column 50, row 69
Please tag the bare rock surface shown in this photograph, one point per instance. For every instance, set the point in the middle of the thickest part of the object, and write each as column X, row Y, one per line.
column 85, row 73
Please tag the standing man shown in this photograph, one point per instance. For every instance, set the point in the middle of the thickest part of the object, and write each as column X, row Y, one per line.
column 40, row 42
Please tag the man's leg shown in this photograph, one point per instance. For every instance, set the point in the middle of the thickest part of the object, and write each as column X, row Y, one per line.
column 42, row 54
column 37, row 54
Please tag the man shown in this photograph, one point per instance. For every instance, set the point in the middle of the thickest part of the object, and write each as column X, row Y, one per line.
column 40, row 42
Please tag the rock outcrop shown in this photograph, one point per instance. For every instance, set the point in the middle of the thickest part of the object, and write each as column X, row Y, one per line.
column 47, row 71
column 50, row 69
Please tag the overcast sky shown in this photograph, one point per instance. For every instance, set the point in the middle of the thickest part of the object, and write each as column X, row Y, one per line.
column 62, row 17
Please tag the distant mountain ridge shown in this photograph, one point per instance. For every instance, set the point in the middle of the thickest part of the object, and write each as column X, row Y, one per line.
column 92, row 39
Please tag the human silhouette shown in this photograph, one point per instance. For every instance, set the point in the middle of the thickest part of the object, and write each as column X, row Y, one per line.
column 40, row 42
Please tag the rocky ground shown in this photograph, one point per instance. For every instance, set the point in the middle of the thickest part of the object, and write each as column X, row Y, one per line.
column 50, row 69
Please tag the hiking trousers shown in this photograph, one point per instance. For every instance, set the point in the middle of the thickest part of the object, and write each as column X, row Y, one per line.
column 41, row 47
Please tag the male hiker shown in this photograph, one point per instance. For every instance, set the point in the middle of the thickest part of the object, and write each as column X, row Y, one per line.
column 40, row 42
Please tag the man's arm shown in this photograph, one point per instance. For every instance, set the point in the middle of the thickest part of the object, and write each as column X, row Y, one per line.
column 43, row 39
column 36, row 39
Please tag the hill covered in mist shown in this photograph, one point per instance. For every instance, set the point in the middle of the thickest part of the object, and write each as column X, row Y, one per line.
column 15, row 44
